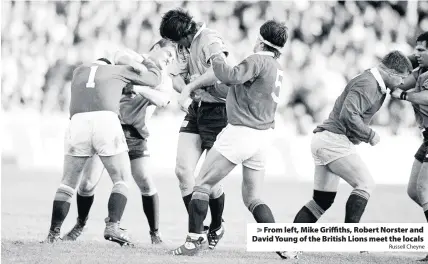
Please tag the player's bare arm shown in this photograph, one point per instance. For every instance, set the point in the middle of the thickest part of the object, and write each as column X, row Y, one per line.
column 131, row 58
column 152, row 77
column 241, row 73
column 156, row 97
column 355, row 104
column 420, row 98
column 408, row 83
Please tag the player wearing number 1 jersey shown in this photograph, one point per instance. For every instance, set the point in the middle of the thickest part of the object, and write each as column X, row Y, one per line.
column 95, row 128
column 251, row 105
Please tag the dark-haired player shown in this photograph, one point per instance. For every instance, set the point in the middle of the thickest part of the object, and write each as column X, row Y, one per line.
column 251, row 104
column 206, row 118
column 333, row 142
column 135, row 111
column 417, row 188
column 95, row 128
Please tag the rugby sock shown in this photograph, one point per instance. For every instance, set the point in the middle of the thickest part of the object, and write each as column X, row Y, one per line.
column 315, row 208
column 426, row 215
column 59, row 212
column 151, row 209
column 186, row 200
column 198, row 209
column 216, row 208
column 261, row 212
column 84, row 204
column 61, row 206
column 117, row 201
column 305, row 216
column 356, row 205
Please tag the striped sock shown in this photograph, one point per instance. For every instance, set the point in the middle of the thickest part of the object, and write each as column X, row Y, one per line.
column 356, row 205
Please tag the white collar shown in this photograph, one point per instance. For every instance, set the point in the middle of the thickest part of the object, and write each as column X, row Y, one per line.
column 379, row 79
column 267, row 53
column 199, row 32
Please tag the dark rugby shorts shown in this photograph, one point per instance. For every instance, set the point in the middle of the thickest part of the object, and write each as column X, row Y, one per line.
column 207, row 120
column 137, row 145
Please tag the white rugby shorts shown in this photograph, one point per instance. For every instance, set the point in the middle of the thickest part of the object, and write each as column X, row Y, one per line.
column 327, row 147
column 98, row 132
column 241, row 144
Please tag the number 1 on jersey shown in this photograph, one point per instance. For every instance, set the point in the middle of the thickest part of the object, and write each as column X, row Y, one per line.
column 91, row 78
column 278, row 85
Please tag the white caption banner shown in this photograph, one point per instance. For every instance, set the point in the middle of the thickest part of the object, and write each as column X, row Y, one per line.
column 339, row 237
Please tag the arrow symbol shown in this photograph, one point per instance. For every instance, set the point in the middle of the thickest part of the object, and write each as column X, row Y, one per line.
column 259, row 230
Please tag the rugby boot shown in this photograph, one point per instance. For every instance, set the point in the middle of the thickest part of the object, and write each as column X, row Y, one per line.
column 53, row 236
column 289, row 254
column 191, row 247
column 424, row 259
column 75, row 232
column 156, row 238
column 214, row 236
column 116, row 234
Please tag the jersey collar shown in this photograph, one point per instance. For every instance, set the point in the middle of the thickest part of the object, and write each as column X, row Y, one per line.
column 267, row 53
column 203, row 26
column 379, row 79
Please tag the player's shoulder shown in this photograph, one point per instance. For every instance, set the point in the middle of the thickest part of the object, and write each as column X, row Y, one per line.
column 209, row 36
column 423, row 80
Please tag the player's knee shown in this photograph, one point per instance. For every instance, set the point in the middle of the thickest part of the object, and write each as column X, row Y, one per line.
column 146, row 186
column 324, row 199
column 368, row 185
column 412, row 193
column 216, row 191
column 64, row 193
column 120, row 187
column 183, row 172
column 86, row 188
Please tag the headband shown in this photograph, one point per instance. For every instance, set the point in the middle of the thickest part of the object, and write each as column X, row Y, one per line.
column 269, row 43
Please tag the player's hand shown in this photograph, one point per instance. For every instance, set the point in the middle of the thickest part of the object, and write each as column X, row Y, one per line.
column 396, row 93
column 184, row 100
column 375, row 140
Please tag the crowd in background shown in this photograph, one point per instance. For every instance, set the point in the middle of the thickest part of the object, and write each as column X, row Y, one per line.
column 329, row 43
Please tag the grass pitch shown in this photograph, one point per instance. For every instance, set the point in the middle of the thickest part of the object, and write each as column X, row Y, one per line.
column 27, row 203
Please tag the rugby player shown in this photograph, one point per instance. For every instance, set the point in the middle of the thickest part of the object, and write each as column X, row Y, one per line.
column 417, row 188
column 135, row 111
column 251, row 105
column 95, row 128
column 333, row 142
column 206, row 118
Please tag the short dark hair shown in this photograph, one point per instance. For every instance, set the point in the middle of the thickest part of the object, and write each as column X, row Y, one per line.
column 104, row 60
column 423, row 37
column 276, row 33
column 397, row 62
column 177, row 24
column 162, row 43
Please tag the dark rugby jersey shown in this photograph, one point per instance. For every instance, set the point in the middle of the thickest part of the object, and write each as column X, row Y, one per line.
column 421, row 111
column 99, row 87
column 205, row 44
column 254, row 84
column 355, row 107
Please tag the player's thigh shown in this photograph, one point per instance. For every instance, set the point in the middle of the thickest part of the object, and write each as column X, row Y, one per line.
column 189, row 152
column 413, row 180
column 354, row 171
column 91, row 175
column 78, row 136
column 422, row 183
column 325, row 180
column 108, row 138
column 214, row 169
column 117, row 166
column 252, row 184
column 72, row 170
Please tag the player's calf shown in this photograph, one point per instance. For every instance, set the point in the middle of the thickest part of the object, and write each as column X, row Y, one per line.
column 61, row 206
column 315, row 208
